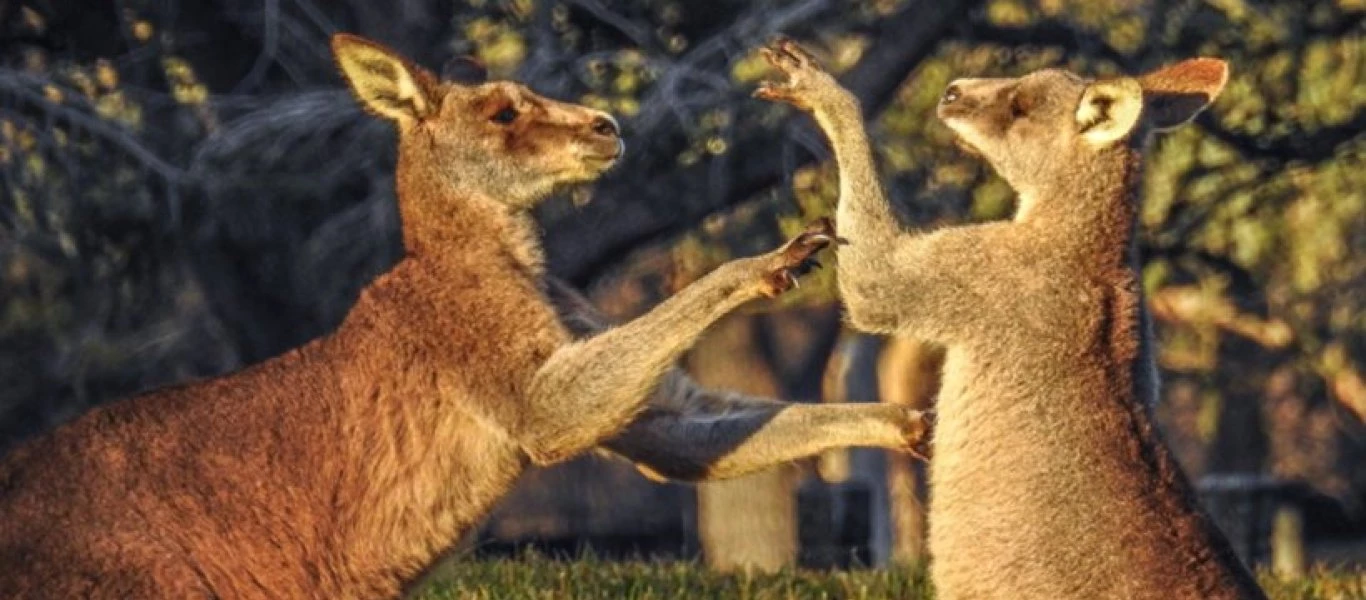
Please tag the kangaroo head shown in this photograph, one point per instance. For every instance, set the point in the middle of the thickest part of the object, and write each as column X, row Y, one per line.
column 1034, row 128
column 496, row 138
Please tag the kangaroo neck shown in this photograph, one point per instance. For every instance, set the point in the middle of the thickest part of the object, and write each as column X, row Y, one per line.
column 444, row 218
column 1090, row 213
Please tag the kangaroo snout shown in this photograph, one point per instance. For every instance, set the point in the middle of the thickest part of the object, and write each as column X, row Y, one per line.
column 962, row 96
column 605, row 143
column 606, row 126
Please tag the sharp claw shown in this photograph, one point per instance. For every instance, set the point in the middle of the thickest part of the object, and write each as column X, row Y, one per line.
column 810, row 244
column 771, row 92
column 839, row 241
column 822, row 226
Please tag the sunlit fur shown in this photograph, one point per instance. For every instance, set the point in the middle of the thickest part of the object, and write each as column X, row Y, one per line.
column 1016, row 120
column 344, row 468
column 1050, row 480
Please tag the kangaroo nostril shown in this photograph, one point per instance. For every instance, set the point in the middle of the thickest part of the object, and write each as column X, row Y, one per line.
column 605, row 125
column 951, row 95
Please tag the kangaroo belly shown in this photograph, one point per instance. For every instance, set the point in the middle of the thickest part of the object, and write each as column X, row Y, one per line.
column 1058, row 491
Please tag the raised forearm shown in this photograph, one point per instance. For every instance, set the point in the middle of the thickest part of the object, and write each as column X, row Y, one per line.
column 863, row 215
column 588, row 390
column 592, row 387
column 689, row 432
column 865, row 220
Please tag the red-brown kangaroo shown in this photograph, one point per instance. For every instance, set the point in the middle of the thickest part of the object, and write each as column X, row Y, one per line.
column 1050, row 479
column 344, row 468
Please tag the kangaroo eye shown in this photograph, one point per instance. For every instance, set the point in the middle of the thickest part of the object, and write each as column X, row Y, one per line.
column 1018, row 106
column 505, row 116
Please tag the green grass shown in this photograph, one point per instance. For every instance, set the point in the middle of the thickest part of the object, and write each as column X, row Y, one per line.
column 538, row 578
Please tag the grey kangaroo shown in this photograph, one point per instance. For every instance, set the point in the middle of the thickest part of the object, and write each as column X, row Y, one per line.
column 1050, row 479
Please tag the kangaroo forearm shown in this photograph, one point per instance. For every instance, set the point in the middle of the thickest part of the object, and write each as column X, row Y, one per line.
column 867, row 265
column 664, row 439
column 591, row 388
column 863, row 216
column 757, row 436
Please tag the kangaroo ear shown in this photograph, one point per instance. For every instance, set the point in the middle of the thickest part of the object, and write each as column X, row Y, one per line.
column 385, row 83
column 1109, row 110
column 1174, row 94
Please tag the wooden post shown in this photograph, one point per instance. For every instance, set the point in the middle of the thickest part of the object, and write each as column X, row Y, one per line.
column 1287, row 542
column 747, row 523
column 908, row 374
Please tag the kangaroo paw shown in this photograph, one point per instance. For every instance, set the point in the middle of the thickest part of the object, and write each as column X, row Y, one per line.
column 918, row 432
column 801, row 83
column 795, row 258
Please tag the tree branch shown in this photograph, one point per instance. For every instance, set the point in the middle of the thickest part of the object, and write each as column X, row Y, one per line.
column 1301, row 146
column 1050, row 32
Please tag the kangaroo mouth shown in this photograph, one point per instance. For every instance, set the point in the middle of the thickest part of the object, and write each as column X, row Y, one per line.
column 607, row 159
column 959, row 139
column 601, row 163
column 965, row 146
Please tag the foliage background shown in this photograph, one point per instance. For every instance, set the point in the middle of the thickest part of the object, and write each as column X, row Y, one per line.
column 187, row 189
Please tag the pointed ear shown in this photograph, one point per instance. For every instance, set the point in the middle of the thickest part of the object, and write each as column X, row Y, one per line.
column 1109, row 110
column 385, row 83
column 1174, row 94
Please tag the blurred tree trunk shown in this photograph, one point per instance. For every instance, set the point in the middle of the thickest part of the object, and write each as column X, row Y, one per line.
column 819, row 530
column 748, row 522
column 1241, row 441
column 834, row 466
column 908, row 374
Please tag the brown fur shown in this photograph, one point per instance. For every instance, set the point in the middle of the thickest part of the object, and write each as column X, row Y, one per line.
column 342, row 469
column 1050, row 479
